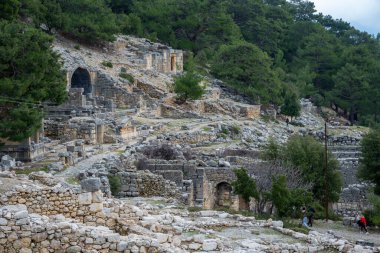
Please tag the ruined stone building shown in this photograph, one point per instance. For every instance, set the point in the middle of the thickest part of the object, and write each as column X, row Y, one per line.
column 94, row 94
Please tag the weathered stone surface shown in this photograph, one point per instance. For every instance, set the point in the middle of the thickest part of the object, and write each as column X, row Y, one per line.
column 209, row 245
column 90, row 184
column 85, row 198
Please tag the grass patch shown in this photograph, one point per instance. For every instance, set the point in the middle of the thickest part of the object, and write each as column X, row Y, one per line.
column 130, row 78
column 206, row 129
column 115, row 184
column 194, row 209
column 72, row 180
column 235, row 130
column 296, row 227
column 28, row 171
column 267, row 118
column 298, row 124
column 107, row 64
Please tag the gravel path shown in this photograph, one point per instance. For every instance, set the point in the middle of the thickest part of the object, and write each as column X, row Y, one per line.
column 74, row 170
column 349, row 233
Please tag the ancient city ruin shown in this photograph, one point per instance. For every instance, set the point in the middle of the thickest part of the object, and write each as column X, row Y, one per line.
column 179, row 155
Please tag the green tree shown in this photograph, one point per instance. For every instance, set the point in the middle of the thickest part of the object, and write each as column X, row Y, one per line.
column 29, row 75
column 370, row 161
column 188, row 86
column 291, row 106
column 307, row 154
column 280, row 195
column 320, row 51
column 9, row 9
column 351, row 88
column 244, row 185
column 90, row 21
column 248, row 69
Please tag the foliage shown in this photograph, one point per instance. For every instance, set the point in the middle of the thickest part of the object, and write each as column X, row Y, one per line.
column 271, row 152
column 9, row 9
column 248, row 69
column 291, row 106
column 29, row 75
column 373, row 216
column 115, row 184
column 188, row 87
column 307, row 154
column 280, row 194
column 370, row 161
column 107, row 64
column 244, row 185
column 127, row 76
column 164, row 151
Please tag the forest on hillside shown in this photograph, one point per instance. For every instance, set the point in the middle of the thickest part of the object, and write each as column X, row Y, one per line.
column 275, row 51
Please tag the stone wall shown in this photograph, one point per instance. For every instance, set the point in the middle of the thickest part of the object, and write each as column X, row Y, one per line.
column 146, row 184
column 26, row 233
column 168, row 111
column 89, row 129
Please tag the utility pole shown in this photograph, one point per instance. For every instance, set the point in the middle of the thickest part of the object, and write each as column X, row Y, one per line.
column 325, row 172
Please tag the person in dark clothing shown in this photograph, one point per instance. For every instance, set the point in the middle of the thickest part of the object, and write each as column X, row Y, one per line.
column 311, row 212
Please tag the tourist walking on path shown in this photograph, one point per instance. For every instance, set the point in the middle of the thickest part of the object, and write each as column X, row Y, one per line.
column 311, row 212
column 362, row 222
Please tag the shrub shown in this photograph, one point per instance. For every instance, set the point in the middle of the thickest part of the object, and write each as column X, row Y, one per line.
column 244, row 185
column 164, row 151
column 77, row 47
column 115, row 184
column 127, row 76
column 187, row 87
column 235, row 129
column 107, row 64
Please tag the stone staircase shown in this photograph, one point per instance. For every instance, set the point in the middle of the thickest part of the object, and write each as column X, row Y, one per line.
column 348, row 157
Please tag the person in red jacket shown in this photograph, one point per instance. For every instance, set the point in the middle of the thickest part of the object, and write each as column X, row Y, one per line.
column 363, row 224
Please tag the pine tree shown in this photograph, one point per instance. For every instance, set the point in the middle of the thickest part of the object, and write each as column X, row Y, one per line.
column 30, row 74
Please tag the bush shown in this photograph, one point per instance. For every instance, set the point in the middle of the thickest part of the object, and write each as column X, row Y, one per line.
column 127, row 76
column 164, row 151
column 244, row 185
column 115, row 184
column 187, row 87
column 107, row 64
column 77, row 47
column 235, row 129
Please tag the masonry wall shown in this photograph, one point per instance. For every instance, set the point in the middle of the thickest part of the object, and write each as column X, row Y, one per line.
column 146, row 184
column 26, row 233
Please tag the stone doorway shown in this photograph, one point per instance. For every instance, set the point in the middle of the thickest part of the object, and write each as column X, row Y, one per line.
column 173, row 63
column 81, row 79
column 223, row 195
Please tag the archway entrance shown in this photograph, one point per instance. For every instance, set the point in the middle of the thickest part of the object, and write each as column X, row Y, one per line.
column 223, row 195
column 81, row 79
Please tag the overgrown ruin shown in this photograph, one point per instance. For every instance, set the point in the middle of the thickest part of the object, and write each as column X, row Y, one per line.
column 121, row 125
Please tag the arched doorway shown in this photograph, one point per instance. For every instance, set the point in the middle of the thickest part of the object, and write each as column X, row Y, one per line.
column 223, row 195
column 81, row 79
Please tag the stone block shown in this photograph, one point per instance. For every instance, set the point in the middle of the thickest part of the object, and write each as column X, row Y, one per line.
column 96, row 207
column 209, row 245
column 90, row 184
column 85, row 198
column 97, row 197
column 21, row 215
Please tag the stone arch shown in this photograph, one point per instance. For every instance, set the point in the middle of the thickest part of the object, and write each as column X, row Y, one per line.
column 81, row 79
column 223, row 195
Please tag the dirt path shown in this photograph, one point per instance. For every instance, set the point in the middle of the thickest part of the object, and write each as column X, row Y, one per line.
column 349, row 233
